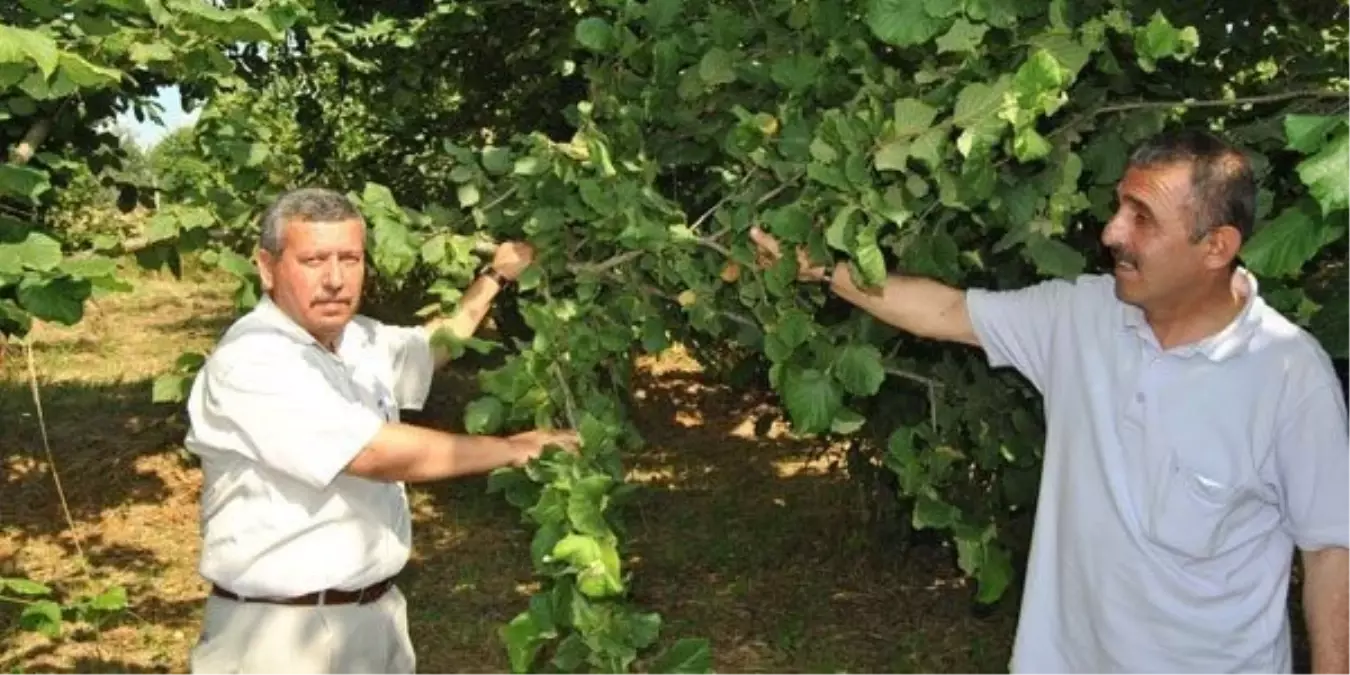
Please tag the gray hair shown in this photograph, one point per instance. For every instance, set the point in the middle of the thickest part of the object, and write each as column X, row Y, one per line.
column 311, row 205
column 1223, row 185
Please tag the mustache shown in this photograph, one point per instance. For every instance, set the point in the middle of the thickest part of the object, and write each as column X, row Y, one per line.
column 319, row 301
column 1120, row 255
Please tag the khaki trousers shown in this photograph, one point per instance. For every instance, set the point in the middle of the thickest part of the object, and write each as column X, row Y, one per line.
column 240, row 637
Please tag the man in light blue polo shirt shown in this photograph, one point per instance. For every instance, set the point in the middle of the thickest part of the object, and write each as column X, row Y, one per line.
column 1195, row 438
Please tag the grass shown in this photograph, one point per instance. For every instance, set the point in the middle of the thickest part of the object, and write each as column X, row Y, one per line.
column 741, row 534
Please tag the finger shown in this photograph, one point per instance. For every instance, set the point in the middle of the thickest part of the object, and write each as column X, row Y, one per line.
column 764, row 240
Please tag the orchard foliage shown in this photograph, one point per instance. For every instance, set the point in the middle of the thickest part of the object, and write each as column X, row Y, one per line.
column 635, row 143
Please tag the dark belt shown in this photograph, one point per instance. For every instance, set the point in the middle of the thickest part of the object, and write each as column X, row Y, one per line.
column 332, row 596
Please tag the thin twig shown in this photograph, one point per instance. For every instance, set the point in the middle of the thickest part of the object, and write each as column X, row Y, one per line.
column 570, row 404
column 711, row 242
column 51, row 458
column 1222, row 103
column 910, row 375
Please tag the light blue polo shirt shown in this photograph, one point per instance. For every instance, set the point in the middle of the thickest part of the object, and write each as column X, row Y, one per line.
column 1176, row 484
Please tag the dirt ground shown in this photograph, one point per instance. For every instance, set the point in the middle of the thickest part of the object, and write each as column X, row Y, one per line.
column 740, row 535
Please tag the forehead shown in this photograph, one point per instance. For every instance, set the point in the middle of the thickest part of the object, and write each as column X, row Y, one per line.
column 1155, row 183
column 325, row 234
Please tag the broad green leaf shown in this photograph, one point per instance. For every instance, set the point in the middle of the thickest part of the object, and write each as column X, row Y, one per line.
column 995, row 575
column 891, row 156
column 1053, row 257
column 913, row 117
column 497, row 161
column 522, row 640
column 859, row 369
column 18, row 45
column 847, row 422
column 1283, row 246
column 20, row 586
column 688, row 655
column 840, row 232
column 43, row 616
column 112, row 600
column 13, row 320
column 1326, row 174
column 1160, row 39
column 662, row 13
column 596, row 562
column 87, row 268
column 170, row 388
column 791, row 223
column 903, row 23
column 1308, row 133
column 979, row 103
column 22, row 181
column 963, row 36
column 812, row 400
column 37, row 251
column 60, row 300
column 87, row 75
column 928, row 148
column 1029, row 146
column 484, row 415
column 467, row 194
column 1069, row 54
column 571, row 653
column 545, row 539
column 594, row 33
column 794, row 328
column 997, row 13
column 930, row 512
column 586, row 503
column 717, row 67
column 871, row 263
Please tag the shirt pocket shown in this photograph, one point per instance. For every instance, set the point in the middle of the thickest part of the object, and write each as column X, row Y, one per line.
column 1195, row 509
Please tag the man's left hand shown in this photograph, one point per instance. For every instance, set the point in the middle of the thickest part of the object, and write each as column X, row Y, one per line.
column 511, row 258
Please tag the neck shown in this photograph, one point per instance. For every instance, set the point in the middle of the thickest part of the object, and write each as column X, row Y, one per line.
column 1199, row 314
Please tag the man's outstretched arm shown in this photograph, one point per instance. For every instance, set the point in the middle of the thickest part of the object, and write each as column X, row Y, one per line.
column 405, row 452
column 922, row 307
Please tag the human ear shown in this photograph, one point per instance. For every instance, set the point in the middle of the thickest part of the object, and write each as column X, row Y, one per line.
column 1222, row 246
column 265, row 261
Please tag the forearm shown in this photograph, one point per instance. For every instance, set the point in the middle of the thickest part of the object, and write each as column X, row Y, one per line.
column 461, row 325
column 403, row 452
column 923, row 307
column 1325, row 607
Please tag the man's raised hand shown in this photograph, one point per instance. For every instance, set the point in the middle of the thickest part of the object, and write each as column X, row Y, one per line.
column 770, row 252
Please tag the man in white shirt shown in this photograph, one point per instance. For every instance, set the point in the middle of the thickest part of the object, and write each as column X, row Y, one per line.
column 295, row 417
column 1195, row 438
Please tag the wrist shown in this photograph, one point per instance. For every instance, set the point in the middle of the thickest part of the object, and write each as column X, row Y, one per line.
column 497, row 277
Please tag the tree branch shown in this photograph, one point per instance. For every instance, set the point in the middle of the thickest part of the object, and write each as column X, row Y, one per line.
column 1222, row 103
column 36, row 134
column 915, row 377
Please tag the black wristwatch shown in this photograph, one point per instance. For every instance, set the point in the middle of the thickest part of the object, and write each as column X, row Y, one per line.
column 493, row 274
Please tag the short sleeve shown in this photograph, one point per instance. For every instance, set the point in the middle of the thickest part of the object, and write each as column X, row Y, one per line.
column 1312, row 457
column 280, row 413
column 1016, row 328
column 413, row 363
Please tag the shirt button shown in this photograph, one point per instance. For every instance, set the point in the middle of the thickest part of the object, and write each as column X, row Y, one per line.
column 1138, row 398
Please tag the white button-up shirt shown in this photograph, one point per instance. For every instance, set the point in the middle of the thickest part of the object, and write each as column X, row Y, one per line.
column 275, row 418
column 1176, row 483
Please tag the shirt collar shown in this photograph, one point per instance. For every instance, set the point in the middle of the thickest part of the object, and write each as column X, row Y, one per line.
column 1222, row 345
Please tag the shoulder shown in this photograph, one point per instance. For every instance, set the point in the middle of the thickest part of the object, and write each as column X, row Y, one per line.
column 1289, row 354
column 253, row 346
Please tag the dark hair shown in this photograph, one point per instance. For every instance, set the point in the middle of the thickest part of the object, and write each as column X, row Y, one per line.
column 311, row 205
column 1223, row 185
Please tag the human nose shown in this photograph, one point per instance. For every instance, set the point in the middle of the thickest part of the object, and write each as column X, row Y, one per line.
column 1113, row 234
column 332, row 275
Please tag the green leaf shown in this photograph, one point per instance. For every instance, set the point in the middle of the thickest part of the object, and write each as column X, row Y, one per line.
column 978, row 103
column 37, row 251
column 594, row 33
column 571, row 653
column 60, row 300
column 871, row 263
column 596, row 562
column 1308, row 133
column 859, row 369
column 963, row 36
column 43, row 616
column 1053, row 257
column 913, row 117
column 112, row 600
column 1326, row 174
column 1160, row 39
column 930, row 512
column 87, row 268
column 467, row 194
column 717, row 67
column 522, row 640
column 170, row 388
column 87, row 75
column 484, row 415
column 688, row 655
column 847, row 422
column 903, row 23
column 891, row 156
column 497, row 161
column 24, row 587
column 791, row 223
column 18, row 45
column 585, row 505
column 1283, row 246
column 22, row 182
column 812, row 399
column 995, row 575
column 997, row 13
